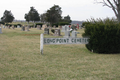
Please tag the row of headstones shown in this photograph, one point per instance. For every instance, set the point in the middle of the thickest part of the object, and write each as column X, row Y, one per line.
column 66, row 29
column 25, row 28
column 10, row 27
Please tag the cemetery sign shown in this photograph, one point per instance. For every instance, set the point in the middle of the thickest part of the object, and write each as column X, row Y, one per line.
column 69, row 40
column 65, row 40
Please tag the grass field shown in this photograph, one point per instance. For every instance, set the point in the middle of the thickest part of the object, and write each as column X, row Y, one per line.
column 20, row 59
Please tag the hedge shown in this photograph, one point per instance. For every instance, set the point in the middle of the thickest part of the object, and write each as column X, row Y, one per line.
column 104, row 36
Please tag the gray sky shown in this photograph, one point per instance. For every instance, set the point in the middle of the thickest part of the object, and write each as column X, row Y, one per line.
column 76, row 9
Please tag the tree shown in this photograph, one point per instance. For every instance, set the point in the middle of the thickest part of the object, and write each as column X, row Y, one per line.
column 7, row 17
column 53, row 15
column 27, row 18
column 32, row 15
column 43, row 17
column 115, row 5
column 67, row 19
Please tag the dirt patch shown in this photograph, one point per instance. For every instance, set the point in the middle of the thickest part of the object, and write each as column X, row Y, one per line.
column 31, row 34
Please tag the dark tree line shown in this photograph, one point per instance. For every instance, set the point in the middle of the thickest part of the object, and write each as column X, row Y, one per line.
column 51, row 16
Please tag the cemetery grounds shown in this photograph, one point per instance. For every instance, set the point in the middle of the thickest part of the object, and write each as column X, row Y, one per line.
column 20, row 59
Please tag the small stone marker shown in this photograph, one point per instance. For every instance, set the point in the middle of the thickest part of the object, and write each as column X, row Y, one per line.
column 18, row 26
column 65, row 28
column 27, row 28
column 0, row 30
column 38, row 27
column 74, row 34
column 13, row 27
column 23, row 28
column 57, row 32
column 44, row 26
column 3, row 26
column 67, row 34
column 46, row 31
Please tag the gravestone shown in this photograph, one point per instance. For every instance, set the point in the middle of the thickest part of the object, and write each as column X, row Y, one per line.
column 13, row 27
column 57, row 32
column 46, row 31
column 3, row 26
column 65, row 28
column 18, row 26
column 38, row 27
column 27, row 28
column 44, row 26
column 67, row 34
column 0, row 30
column 23, row 28
column 74, row 34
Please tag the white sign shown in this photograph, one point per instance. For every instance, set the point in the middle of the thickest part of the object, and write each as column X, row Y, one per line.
column 61, row 41
column 65, row 41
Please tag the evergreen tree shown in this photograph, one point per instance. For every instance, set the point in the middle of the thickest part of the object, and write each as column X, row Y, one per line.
column 7, row 17
column 53, row 15
column 67, row 19
column 32, row 15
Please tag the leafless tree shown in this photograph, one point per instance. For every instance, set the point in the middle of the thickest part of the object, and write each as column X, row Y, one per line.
column 114, row 5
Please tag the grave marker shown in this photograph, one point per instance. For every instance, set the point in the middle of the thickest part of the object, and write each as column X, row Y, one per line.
column 23, row 28
column 74, row 34
column 38, row 27
column 57, row 32
column 46, row 31
column 27, row 28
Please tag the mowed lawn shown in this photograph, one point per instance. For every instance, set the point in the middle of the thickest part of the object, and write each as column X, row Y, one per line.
column 20, row 59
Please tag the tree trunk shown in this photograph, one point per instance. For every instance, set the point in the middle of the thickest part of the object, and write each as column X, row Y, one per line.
column 118, row 9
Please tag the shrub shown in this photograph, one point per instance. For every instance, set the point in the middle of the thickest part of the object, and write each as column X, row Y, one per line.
column 8, row 25
column 63, row 23
column 2, row 23
column 104, row 36
column 15, row 25
column 39, row 24
column 19, row 25
column 55, row 24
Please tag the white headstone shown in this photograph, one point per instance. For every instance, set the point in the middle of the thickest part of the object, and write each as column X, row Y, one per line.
column 67, row 34
column 74, row 34
column 18, row 26
column 65, row 28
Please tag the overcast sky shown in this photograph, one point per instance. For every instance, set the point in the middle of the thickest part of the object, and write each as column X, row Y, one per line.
column 76, row 9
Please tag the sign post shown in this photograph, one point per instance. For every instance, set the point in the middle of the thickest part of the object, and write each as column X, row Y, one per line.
column 69, row 40
column 41, row 43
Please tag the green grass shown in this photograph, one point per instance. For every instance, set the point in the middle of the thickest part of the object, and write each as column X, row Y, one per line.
column 20, row 59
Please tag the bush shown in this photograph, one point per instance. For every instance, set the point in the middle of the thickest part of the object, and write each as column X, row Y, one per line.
column 15, row 25
column 63, row 23
column 2, row 23
column 39, row 24
column 104, row 36
column 8, row 25
column 55, row 24
column 19, row 25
